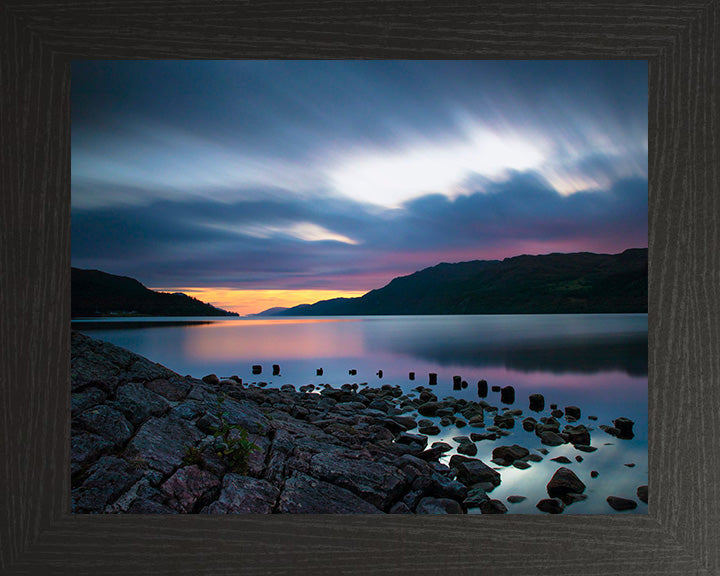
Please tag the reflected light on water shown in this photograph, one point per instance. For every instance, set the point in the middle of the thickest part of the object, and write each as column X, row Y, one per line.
column 259, row 339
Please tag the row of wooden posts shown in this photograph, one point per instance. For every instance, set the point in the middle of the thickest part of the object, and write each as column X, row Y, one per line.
column 507, row 393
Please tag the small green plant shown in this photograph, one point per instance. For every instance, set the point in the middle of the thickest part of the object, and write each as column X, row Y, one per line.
column 232, row 442
column 193, row 455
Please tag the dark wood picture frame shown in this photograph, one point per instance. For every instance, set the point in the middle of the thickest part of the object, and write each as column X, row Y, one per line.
column 680, row 41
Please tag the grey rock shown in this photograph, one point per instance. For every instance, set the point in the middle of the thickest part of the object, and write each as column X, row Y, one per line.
column 430, row 430
column 85, row 448
column 244, row 495
column 162, row 442
column 642, row 493
column 550, row 505
column 493, row 507
column 573, row 412
column 561, row 459
column 175, row 390
column 430, row 505
column 529, row 424
column 107, row 479
column 521, row 464
column 625, row 428
column 190, row 488
column 578, row 434
column 400, row 507
column 620, row 504
column 408, row 439
column 377, row 483
column 537, row 402
column 472, row 471
column 89, row 397
column 564, row 481
column 476, row 437
column 303, row 494
column 137, row 403
column 475, row 496
column 467, row 448
column 107, row 423
column 551, row 439
column 516, row 499
column 430, row 408
column 510, row 453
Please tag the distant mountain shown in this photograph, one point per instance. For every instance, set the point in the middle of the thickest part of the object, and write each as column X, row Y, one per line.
column 270, row 311
column 581, row 282
column 96, row 293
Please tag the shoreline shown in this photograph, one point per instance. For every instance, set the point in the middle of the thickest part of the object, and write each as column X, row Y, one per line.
column 145, row 440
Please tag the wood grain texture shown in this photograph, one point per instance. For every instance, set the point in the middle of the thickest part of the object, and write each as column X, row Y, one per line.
column 680, row 535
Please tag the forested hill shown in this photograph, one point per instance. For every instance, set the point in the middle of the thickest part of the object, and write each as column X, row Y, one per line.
column 580, row 282
column 96, row 293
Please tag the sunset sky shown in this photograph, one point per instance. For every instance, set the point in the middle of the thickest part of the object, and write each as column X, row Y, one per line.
column 253, row 184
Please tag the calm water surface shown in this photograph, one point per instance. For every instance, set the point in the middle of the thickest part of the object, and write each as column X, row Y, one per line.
column 595, row 361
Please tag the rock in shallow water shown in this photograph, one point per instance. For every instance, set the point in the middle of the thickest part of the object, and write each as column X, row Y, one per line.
column 621, row 504
column 493, row 507
column 510, row 453
column 564, row 481
column 642, row 493
column 550, row 505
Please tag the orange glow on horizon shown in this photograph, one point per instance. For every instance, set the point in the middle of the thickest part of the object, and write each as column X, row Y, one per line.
column 253, row 301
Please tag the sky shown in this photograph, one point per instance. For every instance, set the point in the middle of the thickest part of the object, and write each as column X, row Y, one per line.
column 254, row 184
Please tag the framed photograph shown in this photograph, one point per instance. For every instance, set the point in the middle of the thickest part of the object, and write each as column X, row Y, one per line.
column 470, row 288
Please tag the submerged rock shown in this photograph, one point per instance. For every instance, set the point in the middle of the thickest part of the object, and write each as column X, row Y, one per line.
column 493, row 507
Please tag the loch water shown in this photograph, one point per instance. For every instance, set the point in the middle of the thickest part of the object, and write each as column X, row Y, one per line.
column 598, row 362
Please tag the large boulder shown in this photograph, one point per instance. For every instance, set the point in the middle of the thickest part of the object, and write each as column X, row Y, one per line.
column 89, row 397
column 106, row 423
column 244, row 495
column 174, row 390
column 303, row 494
column 138, row 403
column 162, row 442
column 472, row 471
column 106, row 480
column 190, row 488
column 380, row 484
column 85, row 448
column 563, row 482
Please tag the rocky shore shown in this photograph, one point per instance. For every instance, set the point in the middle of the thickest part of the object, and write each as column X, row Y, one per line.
column 148, row 440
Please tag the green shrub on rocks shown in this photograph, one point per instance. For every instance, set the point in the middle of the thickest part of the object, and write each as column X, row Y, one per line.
column 232, row 442
column 193, row 455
